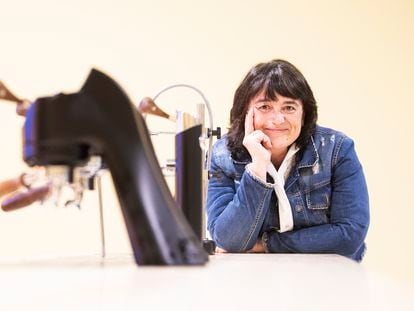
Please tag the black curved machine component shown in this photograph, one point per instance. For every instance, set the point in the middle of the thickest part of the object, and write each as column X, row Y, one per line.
column 188, row 179
column 67, row 129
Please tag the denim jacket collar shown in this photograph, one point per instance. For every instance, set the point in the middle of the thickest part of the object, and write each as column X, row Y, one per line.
column 310, row 156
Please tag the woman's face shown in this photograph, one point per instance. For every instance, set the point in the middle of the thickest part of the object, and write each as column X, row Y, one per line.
column 281, row 119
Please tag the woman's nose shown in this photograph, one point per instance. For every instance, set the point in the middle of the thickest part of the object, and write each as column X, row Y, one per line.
column 278, row 117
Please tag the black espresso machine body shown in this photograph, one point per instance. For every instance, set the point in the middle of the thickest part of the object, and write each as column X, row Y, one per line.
column 67, row 129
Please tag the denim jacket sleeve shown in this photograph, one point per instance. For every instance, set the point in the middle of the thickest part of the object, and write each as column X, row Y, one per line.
column 349, row 219
column 235, row 217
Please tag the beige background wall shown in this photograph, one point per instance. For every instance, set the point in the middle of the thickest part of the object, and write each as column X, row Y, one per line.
column 358, row 56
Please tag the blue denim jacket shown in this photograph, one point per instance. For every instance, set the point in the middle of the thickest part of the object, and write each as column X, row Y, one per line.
column 326, row 189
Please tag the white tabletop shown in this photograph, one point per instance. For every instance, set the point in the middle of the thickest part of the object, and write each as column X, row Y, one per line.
column 228, row 282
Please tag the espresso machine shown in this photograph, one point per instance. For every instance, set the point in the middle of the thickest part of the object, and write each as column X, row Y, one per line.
column 193, row 144
column 75, row 135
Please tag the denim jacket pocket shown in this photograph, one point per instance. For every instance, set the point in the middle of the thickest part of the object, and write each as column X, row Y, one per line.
column 318, row 201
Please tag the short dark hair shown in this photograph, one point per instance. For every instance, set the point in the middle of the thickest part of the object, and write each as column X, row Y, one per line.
column 277, row 76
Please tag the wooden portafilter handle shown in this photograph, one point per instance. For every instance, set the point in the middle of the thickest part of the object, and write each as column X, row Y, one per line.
column 22, row 104
column 25, row 198
column 10, row 185
column 148, row 106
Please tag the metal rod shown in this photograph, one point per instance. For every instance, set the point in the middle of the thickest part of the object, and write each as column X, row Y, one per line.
column 101, row 216
column 210, row 115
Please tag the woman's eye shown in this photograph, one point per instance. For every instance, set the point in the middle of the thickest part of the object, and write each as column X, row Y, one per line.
column 264, row 108
column 290, row 109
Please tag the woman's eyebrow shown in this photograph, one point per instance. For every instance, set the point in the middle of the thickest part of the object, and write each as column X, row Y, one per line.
column 261, row 100
column 290, row 102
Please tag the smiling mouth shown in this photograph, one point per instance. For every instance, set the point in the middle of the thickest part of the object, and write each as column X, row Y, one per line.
column 277, row 130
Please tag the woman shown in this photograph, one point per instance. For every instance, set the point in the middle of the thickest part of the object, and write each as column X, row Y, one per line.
column 279, row 182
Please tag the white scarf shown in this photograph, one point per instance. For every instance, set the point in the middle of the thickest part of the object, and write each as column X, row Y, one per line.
column 279, row 177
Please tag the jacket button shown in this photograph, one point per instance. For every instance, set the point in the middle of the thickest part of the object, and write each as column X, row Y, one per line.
column 298, row 208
